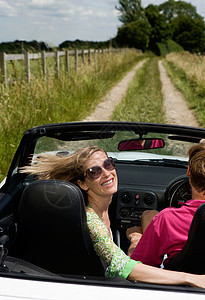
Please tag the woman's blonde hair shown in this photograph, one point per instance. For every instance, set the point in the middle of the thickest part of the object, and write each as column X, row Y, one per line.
column 197, row 167
column 69, row 168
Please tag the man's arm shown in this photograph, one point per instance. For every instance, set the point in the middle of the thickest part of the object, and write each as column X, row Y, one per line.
column 149, row 248
column 134, row 235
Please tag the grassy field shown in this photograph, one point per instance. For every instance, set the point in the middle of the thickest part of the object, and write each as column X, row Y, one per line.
column 69, row 98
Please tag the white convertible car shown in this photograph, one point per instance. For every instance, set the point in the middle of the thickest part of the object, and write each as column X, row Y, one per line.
column 45, row 247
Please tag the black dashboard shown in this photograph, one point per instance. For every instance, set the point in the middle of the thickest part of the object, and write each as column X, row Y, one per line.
column 142, row 187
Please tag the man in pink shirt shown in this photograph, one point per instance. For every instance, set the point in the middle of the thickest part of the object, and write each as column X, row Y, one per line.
column 167, row 231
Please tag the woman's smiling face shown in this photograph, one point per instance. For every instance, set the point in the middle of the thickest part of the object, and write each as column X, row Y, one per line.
column 107, row 182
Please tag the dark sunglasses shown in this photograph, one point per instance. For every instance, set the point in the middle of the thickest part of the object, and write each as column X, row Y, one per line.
column 95, row 172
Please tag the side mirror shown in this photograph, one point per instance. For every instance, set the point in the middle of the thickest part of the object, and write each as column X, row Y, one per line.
column 140, row 144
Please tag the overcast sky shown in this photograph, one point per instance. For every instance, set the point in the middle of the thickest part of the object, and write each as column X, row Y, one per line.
column 56, row 21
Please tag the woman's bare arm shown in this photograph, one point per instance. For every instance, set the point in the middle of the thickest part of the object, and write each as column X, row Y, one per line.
column 145, row 273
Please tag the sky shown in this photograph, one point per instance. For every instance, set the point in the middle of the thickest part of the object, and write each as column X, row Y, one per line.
column 55, row 21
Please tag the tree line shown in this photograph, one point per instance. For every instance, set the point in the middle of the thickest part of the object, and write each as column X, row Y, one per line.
column 21, row 46
column 170, row 26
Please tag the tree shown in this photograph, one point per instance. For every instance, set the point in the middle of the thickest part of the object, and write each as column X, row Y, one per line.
column 160, row 30
column 189, row 33
column 172, row 9
column 130, row 10
column 134, row 34
column 187, row 27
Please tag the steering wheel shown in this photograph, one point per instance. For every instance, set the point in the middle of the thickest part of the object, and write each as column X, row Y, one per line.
column 178, row 191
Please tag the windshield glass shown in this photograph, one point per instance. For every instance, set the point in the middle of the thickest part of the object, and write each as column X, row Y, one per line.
column 173, row 148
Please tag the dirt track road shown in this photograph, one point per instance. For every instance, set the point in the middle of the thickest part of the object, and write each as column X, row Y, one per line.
column 175, row 107
column 102, row 113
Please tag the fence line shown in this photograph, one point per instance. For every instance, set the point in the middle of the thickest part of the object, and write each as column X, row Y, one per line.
column 43, row 56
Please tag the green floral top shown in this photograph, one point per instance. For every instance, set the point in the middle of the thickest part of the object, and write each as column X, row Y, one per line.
column 119, row 264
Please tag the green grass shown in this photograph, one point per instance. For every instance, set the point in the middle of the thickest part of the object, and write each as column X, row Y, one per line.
column 69, row 98
column 144, row 101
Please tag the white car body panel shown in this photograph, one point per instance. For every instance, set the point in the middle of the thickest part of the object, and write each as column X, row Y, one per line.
column 41, row 290
column 2, row 182
column 131, row 156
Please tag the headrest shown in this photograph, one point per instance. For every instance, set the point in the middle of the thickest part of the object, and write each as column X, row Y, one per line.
column 50, row 200
column 52, row 222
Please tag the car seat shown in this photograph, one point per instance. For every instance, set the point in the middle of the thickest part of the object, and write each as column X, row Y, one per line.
column 52, row 229
column 191, row 258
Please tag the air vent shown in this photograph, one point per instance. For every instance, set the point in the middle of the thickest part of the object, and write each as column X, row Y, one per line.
column 124, row 212
column 149, row 199
column 125, row 198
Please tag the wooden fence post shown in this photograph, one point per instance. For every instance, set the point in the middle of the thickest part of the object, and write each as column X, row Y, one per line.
column 3, row 68
column 89, row 56
column 76, row 60
column 43, row 62
column 27, row 66
column 57, row 64
column 67, row 61
column 95, row 55
column 83, row 56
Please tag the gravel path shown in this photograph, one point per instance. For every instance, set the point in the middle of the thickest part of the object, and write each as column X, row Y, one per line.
column 175, row 107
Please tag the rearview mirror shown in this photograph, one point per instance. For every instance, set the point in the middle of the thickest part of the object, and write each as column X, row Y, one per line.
column 140, row 144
